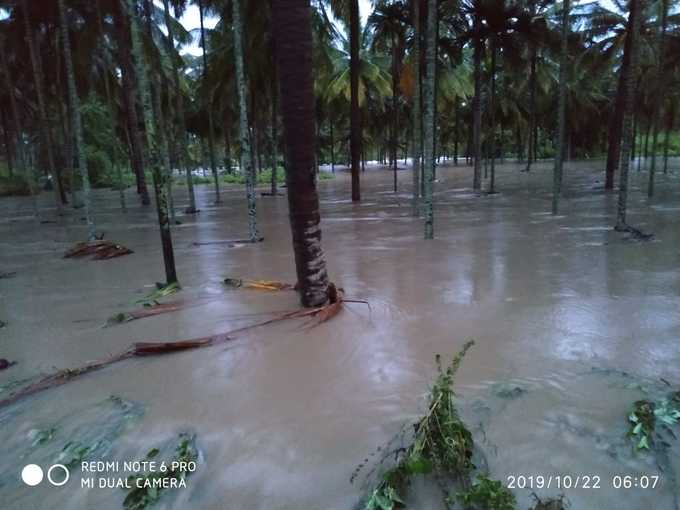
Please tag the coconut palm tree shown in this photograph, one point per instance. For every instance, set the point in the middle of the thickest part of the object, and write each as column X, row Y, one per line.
column 428, row 116
column 246, row 162
column 636, row 9
column 147, row 84
column 293, row 35
column 76, row 121
column 561, row 108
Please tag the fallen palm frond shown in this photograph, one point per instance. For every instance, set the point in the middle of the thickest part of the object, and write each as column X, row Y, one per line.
column 317, row 315
column 147, row 311
column 635, row 234
column 230, row 243
column 240, row 283
column 100, row 250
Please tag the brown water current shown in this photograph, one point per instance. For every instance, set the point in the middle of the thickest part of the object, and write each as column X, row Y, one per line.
column 572, row 323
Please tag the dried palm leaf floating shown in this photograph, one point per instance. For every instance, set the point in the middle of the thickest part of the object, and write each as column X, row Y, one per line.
column 100, row 250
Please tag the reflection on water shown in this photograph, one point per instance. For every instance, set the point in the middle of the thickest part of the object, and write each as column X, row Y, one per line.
column 284, row 414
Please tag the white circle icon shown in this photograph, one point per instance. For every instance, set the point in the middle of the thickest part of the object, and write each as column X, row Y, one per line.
column 32, row 474
column 67, row 474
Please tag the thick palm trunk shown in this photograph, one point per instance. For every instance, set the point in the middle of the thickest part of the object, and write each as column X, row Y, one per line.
column 417, row 120
column 477, row 107
column 428, row 114
column 635, row 19
column 147, row 81
column 211, row 135
column 45, row 132
column 616, row 122
column 246, row 162
column 561, row 109
column 492, row 117
column 181, row 130
column 293, row 33
column 456, row 134
column 6, row 136
column 332, row 141
column 76, row 121
column 355, row 118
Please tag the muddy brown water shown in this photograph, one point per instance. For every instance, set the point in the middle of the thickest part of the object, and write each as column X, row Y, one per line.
column 572, row 324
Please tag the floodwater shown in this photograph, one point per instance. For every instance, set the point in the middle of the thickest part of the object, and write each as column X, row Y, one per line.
column 572, row 323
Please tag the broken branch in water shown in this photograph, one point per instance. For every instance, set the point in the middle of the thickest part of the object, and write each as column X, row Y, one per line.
column 317, row 315
column 239, row 283
column 100, row 250
column 230, row 244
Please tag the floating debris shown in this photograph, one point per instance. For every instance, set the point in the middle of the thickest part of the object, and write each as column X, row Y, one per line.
column 100, row 250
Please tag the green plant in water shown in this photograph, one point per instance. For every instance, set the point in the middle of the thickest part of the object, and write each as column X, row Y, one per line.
column 146, row 490
column 160, row 292
column 487, row 494
column 39, row 437
column 441, row 443
column 646, row 415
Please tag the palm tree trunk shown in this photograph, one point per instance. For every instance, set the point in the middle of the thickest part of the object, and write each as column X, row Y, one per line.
column 456, row 134
column 246, row 162
column 669, row 127
column 147, row 82
column 181, row 136
column 477, row 106
column 616, row 122
column 531, row 138
column 8, row 144
column 492, row 116
column 561, row 109
column 417, row 120
column 227, row 140
column 129, row 80
column 355, row 119
column 42, row 110
column 330, row 126
column 395, row 108
column 275, row 136
column 76, row 121
column 635, row 19
column 211, row 136
column 658, row 97
column 428, row 117
column 293, row 33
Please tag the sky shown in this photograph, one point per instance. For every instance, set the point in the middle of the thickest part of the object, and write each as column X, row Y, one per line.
column 191, row 20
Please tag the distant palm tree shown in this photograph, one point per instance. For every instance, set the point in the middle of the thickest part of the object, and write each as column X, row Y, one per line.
column 561, row 108
column 428, row 114
column 293, row 33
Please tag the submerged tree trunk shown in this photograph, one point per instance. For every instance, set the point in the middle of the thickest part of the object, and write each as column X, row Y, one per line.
column 246, row 162
column 293, row 33
column 151, row 124
column 181, row 135
column 561, row 109
column 45, row 132
column 417, row 121
column 477, row 106
column 355, row 119
column 76, row 121
column 428, row 114
column 616, row 122
column 636, row 10
column 211, row 135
